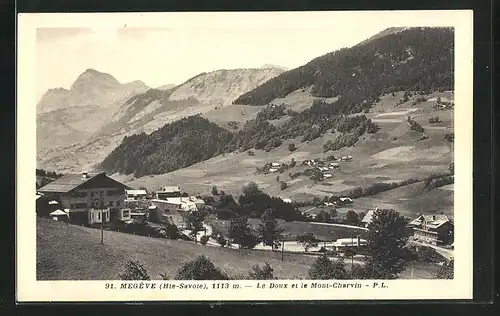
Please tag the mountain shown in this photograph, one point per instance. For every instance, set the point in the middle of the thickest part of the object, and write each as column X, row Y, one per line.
column 66, row 117
column 166, row 87
column 173, row 146
column 411, row 59
column 267, row 66
column 223, row 86
column 90, row 88
column 402, row 67
column 149, row 110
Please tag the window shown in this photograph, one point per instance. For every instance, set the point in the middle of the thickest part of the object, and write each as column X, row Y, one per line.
column 126, row 213
column 98, row 215
column 79, row 194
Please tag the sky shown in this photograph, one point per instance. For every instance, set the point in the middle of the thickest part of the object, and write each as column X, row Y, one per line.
column 173, row 53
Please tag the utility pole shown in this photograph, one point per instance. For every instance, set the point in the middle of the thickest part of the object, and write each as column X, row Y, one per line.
column 102, row 233
column 352, row 252
column 282, row 248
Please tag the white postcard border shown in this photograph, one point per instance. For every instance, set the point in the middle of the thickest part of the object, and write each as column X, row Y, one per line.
column 29, row 289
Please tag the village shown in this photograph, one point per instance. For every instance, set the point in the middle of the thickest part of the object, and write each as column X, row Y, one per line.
column 97, row 201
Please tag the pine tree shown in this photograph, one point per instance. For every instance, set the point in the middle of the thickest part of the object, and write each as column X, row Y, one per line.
column 386, row 241
column 325, row 269
column 240, row 233
column 269, row 230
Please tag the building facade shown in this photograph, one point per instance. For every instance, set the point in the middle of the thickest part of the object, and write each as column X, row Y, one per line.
column 435, row 229
column 89, row 197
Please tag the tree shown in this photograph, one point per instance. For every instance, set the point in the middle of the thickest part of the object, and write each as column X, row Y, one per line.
column 283, row 185
column 307, row 241
column 361, row 215
column 204, row 239
column 134, row 270
column 325, row 269
column 323, row 217
column 240, row 233
column 251, row 189
column 200, row 268
column 269, row 231
column 171, row 230
column 214, row 190
column 333, row 213
column 351, row 217
column 385, row 248
column 446, row 271
column 195, row 223
column 264, row 273
column 291, row 147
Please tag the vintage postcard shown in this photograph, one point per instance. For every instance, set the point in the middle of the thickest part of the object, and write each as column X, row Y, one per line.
column 244, row 156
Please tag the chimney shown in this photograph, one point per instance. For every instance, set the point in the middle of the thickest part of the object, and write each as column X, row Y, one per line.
column 84, row 175
column 433, row 217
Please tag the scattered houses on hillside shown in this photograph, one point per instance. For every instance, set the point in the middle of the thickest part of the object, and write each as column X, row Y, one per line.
column 88, row 197
column 434, row 229
column 286, row 200
column 168, row 192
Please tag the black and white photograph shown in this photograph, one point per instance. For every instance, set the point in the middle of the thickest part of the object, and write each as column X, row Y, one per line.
column 266, row 152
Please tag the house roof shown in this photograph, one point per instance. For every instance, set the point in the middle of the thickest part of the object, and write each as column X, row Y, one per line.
column 71, row 181
column 58, row 212
column 175, row 201
column 430, row 220
column 136, row 192
column 368, row 217
column 170, row 189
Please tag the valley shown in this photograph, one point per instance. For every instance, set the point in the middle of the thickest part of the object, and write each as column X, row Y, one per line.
column 261, row 157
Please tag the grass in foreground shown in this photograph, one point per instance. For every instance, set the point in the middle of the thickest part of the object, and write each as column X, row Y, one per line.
column 68, row 252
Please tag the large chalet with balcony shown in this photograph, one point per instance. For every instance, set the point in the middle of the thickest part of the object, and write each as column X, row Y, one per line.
column 434, row 229
column 89, row 198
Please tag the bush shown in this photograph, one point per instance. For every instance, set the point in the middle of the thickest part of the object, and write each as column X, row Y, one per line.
column 134, row 270
column 172, row 232
column 325, row 269
column 427, row 254
column 291, row 147
column 283, row 185
column 204, row 239
column 264, row 273
column 446, row 271
column 221, row 240
column 414, row 126
column 200, row 268
column 433, row 120
column 307, row 241
column 449, row 137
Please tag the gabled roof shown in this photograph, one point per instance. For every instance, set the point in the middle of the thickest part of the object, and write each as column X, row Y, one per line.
column 58, row 213
column 71, row 181
column 368, row 217
column 431, row 221
column 170, row 189
column 137, row 192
